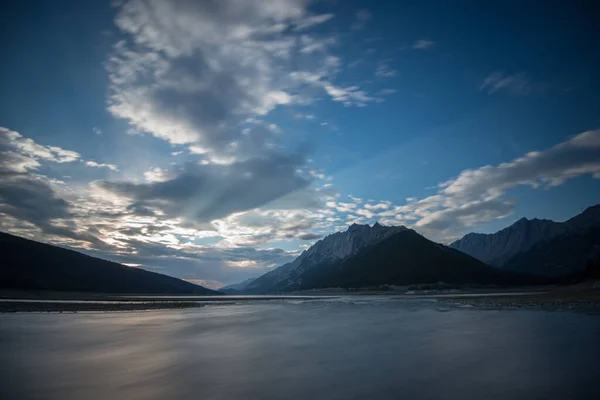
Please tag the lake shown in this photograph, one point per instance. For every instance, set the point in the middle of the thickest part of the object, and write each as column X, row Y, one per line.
column 339, row 348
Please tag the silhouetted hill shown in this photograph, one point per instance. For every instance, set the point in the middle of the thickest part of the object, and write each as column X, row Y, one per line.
column 29, row 265
column 402, row 259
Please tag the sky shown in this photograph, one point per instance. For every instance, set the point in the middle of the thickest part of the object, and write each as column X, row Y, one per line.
column 215, row 140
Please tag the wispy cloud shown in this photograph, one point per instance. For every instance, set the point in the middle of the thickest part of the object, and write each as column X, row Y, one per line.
column 311, row 45
column 517, row 84
column 423, row 44
column 310, row 21
column 384, row 71
column 387, row 91
column 361, row 19
column 349, row 95
column 94, row 164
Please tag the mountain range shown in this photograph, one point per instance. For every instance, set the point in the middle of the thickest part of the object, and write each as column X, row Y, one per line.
column 379, row 255
column 30, row 265
column 529, row 251
column 538, row 246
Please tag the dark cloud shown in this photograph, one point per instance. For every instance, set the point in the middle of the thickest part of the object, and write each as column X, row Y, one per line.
column 208, row 192
column 309, row 236
column 29, row 198
column 303, row 225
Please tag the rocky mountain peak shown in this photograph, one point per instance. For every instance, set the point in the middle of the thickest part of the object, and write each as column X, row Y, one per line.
column 521, row 222
column 332, row 248
column 357, row 227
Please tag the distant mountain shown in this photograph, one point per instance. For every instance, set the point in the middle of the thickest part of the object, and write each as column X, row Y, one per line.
column 328, row 250
column 399, row 256
column 568, row 254
column 498, row 248
column 236, row 287
column 30, row 265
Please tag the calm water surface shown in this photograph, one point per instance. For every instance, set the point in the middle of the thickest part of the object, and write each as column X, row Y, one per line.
column 345, row 348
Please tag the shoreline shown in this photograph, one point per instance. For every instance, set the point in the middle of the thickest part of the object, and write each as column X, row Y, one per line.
column 74, row 302
column 583, row 297
column 578, row 298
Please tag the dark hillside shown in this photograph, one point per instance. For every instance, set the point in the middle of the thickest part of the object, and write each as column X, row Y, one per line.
column 29, row 265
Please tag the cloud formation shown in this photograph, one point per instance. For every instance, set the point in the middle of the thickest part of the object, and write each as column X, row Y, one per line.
column 29, row 148
column 193, row 72
column 94, row 164
column 196, row 219
column 154, row 231
column 30, row 200
column 21, row 154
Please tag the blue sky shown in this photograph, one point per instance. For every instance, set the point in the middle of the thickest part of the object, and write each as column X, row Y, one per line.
column 215, row 140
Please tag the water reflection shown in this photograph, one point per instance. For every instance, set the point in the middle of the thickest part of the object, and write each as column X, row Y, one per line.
column 319, row 349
